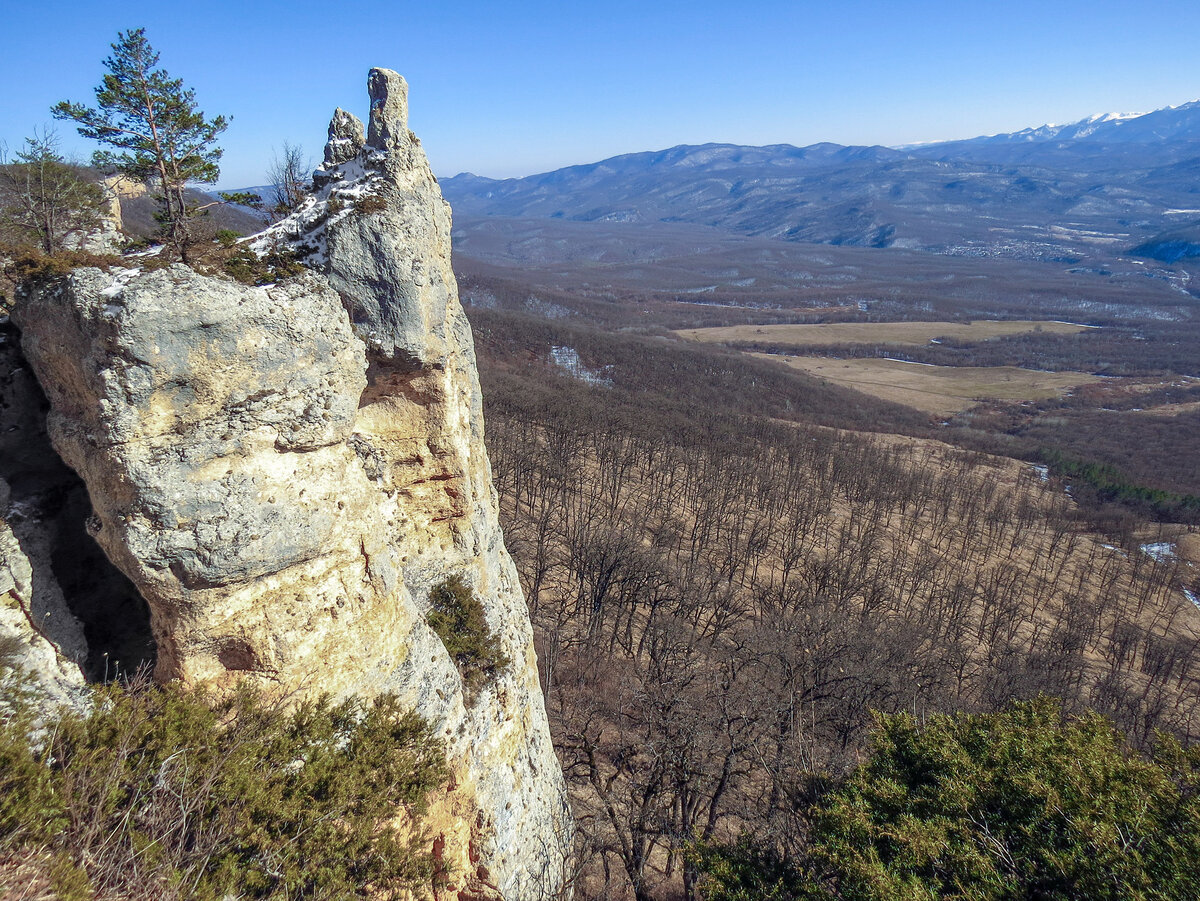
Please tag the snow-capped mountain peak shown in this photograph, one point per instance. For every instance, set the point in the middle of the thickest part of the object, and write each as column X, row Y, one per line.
column 1178, row 121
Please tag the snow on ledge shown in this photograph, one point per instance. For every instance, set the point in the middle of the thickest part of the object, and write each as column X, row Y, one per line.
column 303, row 232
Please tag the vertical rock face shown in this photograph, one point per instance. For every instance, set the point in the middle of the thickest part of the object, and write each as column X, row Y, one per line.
column 285, row 472
column 38, row 634
column 388, row 128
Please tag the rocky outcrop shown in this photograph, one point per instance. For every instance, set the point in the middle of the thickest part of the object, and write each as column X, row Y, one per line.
column 285, row 472
column 108, row 234
column 346, row 139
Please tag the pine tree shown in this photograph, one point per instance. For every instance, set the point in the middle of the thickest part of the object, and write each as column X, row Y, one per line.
column 152, row 122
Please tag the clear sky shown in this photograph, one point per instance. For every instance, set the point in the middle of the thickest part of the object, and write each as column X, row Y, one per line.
column 513, row 88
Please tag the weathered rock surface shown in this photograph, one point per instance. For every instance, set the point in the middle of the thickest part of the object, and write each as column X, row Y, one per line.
column 388, row 126
column 38, row 634
column 284, row 472
column 345, row 138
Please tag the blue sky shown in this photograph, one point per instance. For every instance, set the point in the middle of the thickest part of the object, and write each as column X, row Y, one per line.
column 511, row 89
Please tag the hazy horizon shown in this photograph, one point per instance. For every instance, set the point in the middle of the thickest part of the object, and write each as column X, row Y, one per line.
column 539, row 86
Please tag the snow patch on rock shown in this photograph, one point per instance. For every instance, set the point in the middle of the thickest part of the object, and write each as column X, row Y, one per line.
column 338, row 189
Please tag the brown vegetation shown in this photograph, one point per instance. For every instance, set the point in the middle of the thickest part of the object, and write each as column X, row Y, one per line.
column 721, row 600
column 1150, row 348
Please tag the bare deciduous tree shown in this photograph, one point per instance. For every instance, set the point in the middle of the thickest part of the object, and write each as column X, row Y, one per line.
column 45, row 198
column 290, row 176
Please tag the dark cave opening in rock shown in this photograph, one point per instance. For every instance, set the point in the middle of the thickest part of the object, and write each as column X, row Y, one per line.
column 115, row 618
column 48, row 509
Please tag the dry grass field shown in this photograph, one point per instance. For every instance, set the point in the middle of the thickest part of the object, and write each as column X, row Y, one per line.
column 1171, row 409
column 878, row 332
column 940, row 390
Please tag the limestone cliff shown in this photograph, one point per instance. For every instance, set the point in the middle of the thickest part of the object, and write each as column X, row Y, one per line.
column 284, row 472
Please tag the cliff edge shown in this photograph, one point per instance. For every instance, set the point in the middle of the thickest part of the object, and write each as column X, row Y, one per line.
column 285, row 472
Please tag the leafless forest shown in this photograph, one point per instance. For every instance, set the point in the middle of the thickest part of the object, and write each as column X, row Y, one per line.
column 722, row 593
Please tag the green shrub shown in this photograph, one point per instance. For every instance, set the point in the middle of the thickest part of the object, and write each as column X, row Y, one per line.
column 1024, row 803
column 31, row 810
column 457, row 616
column 167, row 793
column 138, row 243
column 250, row 269
column 68, row 879
column 1112, row 485
column 226, row 237
column 749, row 871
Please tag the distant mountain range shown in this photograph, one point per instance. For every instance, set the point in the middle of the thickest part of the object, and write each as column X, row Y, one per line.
column 1108, row 140
column 1104, row 186
column 1170, row 122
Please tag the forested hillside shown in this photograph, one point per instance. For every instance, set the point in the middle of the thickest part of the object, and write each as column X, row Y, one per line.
column 723, row 592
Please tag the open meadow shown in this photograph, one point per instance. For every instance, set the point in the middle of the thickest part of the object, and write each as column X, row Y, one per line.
column 940, row 390
column 879, row 332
